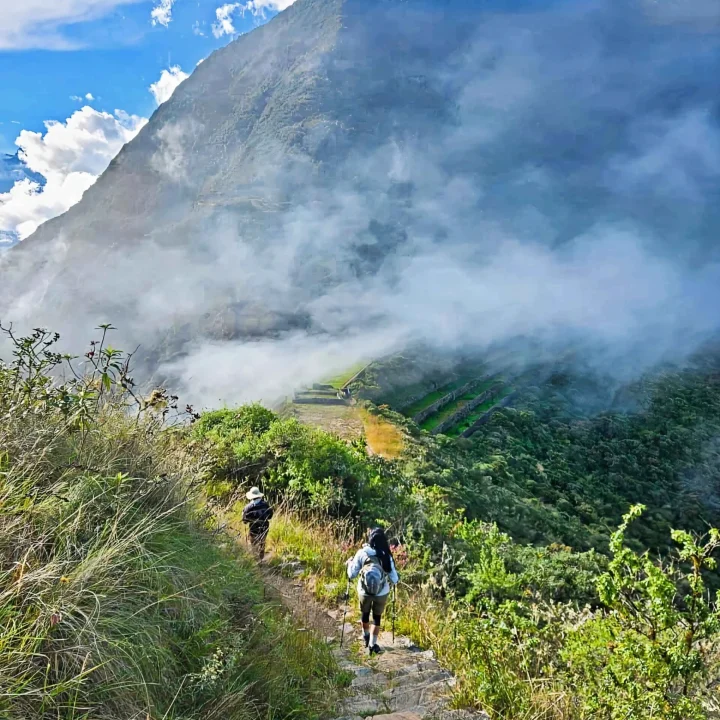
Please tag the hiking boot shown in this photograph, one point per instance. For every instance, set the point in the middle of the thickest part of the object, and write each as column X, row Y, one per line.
column 375, row 650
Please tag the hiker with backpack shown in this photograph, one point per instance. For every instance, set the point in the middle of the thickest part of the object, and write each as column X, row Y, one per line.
column 374, row 567
column 257, row 515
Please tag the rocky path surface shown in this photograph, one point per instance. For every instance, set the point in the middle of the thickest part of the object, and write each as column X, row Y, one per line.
column 404, row 682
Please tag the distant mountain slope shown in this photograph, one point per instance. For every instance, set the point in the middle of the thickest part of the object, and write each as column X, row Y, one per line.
column 262, row 127
column 443, row 170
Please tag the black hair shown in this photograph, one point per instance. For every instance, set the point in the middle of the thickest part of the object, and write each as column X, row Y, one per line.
column 378, row 541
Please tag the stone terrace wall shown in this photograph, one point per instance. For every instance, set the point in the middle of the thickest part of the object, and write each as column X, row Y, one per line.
column 464, row 411
column 482, row 420
column 299, row 400
column 445, row 400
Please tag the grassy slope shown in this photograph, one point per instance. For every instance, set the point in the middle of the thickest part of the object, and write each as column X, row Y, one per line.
column 341, row 379
column 115, row 601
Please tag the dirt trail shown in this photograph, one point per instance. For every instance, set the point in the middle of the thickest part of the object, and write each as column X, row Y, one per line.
column 403, row 683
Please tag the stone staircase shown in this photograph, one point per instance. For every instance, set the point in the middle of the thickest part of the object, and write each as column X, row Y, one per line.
column 402, row 683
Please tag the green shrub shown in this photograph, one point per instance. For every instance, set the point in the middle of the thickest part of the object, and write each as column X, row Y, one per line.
column 649, row 655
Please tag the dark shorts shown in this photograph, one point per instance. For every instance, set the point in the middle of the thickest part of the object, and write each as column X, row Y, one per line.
column 373, row 605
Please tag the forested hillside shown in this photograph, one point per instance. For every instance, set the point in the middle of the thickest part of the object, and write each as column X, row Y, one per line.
column 514, row 568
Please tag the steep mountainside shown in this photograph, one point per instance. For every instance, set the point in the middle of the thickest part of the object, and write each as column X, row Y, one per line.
column 407, row 169
column 259, row 134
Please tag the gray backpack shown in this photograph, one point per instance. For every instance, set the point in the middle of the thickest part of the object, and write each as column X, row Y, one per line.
column 372, row 576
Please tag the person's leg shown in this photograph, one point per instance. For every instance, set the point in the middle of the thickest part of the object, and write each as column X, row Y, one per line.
column 255, row 540
column 365, row 608
column 378, row 607
column 262, row 539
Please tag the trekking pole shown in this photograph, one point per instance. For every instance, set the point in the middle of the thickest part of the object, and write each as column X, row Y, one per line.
column 347, row 598
column 394, row 609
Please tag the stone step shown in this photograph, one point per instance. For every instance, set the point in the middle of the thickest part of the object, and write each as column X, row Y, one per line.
column 420, row 667
column 422, row 679
column 432, row 696
column 397, row 661
column 363, row 706
column 461, row 715
column 421, row 714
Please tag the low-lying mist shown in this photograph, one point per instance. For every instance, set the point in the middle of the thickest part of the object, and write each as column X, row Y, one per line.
column 564, row 188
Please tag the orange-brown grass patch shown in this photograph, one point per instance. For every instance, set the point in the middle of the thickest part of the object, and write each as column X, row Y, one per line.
column 383, row 438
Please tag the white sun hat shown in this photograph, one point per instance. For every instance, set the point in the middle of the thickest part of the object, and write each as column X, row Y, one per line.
column 253, row 493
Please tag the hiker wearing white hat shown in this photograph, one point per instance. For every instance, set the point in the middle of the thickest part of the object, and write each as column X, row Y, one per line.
column 257, row 515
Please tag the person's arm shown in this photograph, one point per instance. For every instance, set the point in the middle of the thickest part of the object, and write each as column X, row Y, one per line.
column 355, row 564
column 245, row 517
column 394, row 578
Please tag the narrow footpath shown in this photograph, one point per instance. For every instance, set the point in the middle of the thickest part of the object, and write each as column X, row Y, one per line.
column 402, row 683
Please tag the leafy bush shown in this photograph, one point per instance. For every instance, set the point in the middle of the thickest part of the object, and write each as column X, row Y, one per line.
column 648, row 657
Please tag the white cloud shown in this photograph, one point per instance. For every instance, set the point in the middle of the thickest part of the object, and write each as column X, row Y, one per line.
column 174, row 141
column 162, row 13
column 224, row 14
column 224, row 25
column 163, row 89
column 40, row 23
column 70, row 156
column 258, row 7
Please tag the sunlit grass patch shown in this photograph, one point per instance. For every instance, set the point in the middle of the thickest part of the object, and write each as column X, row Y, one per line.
column 382, row 436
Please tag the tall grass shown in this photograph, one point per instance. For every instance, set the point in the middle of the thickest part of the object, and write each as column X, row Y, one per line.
column 116, row 600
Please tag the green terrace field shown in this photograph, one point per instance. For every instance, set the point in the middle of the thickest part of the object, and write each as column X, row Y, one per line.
column 451, row 408
column 341, row 379
column 461, row 427
column 429, row 399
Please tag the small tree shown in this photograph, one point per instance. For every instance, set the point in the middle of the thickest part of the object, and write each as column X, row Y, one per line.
column 646, row 656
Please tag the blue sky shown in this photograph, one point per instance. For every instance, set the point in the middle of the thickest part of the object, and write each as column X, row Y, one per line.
column 76, row 78
column 118, row 56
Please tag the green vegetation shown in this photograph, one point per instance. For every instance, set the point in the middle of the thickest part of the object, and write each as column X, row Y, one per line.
column 116, row 599
column 432, row 397
column 405, row 381
column 341, row 379
column 120, row 598
column 511, row 569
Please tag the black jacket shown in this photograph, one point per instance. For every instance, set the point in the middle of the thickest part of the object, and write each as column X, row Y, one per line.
column 257, row 514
